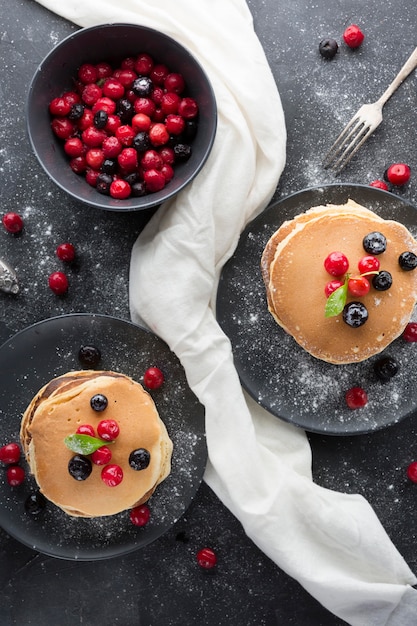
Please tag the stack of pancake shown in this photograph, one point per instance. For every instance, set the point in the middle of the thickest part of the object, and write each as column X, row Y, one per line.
column 56, row 412
column 293, row 271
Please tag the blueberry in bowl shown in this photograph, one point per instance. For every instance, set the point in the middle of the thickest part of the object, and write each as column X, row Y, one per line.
column 121, row 116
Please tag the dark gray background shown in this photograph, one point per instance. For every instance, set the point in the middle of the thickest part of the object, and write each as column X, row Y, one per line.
column 161, row 585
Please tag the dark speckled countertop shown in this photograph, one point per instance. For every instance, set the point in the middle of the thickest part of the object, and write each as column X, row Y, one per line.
column 161, row 585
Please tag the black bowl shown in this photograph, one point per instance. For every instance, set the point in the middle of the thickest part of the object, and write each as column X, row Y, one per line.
column 112, row 43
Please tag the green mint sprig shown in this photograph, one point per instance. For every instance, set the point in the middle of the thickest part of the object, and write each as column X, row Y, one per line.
column 337, row 300
column 84, row 444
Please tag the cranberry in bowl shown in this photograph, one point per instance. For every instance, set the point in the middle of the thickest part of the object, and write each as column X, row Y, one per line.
column 121, row 116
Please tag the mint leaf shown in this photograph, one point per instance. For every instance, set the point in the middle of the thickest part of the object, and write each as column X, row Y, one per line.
column 336, row 301
column 84, row 444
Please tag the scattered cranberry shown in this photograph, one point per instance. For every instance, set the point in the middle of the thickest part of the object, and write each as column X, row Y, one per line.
column 368, row 263
column 10, row 453
column 412, row 472
column 86, row 429
column 398, row 174
column 112, row 475
column 108, row 430
column 410, row 332
column 15, row 475
column 379, row 184
column 58, row 283
column 353, row 36
column 12, row 222
column 206, row 558
column 336, row 264
column 66, row 252
column 358, row 286
column 101, row 456
column 153, row 378
column 356, row 397
column 139, row 515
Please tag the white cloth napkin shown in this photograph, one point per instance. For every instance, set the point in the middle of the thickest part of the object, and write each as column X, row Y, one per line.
column 260, row 467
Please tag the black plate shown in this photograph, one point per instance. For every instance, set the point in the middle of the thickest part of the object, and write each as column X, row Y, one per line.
column 50, row 348
column 276, row 372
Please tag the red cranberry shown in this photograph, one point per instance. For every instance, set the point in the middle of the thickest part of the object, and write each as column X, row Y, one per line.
column 336, row 264
column 145, row 106
column 368, row 263
column 398, row 174
column 58, row 283
column 206, row 558
column 104, row 104
column 356, row 397
column 153, row 378
column 174, row 82
column 358, row 286
column 15, row 475
column 154, row 180
column 66, row 252
column 78, row 164
column 175, row 124
column 59, row 106
column 112, row 475
column 379, row 184
column 159, row 73
column 188, row 108
column 10, row 453
column 170, row 102
column 108, row 430
column 128, row 159
column 62, row 127
column 144, row 64
column 101, row 456
column 353, row 36
column 158, row 134
column 86, row 429
column 331, row 286
column 410, row 332
column 139, row 515
column 91, row 93
column 113, row 89
column 87, row 73
column 12, row 222
column 74, row 147
column 140, row 122
column 120, row 189
column 412, row 472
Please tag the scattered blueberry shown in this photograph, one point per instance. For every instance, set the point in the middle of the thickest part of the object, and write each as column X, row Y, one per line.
column 385, row 368
column 35, row 503
column 328, row 48
column 89, row 356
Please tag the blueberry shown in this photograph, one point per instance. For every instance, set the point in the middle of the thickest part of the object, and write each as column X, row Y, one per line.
column 109, row 166
column 141, row 141
column 89, row 356
column 355, row 314
column 408, row 261
column 131, row 178
column 99, row 402
column 328, row 48
column 142, row 86
column 139, row 459
column 374, row 243
column 182, row 152
column 77, row 111
column 138, row 189
column 100, row 118
column 385, row 368
column 103, row 183
column 80, row 467
column 124, row 110
column 382, row 281
column 35, row 503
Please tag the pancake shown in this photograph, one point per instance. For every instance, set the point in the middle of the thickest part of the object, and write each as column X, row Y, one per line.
column 60, row 407
column 292, row 267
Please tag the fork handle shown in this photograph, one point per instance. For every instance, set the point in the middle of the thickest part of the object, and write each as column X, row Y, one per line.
column 406, row 69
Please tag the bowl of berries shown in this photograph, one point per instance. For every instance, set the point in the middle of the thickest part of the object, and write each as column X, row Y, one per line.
column 120, row 116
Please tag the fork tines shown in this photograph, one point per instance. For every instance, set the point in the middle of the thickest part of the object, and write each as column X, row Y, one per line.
column 355, row 133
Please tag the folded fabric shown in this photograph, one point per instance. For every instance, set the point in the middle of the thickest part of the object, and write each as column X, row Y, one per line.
column 260, row 467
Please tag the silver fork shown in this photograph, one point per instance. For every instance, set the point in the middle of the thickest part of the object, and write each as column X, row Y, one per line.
column 364, row 122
